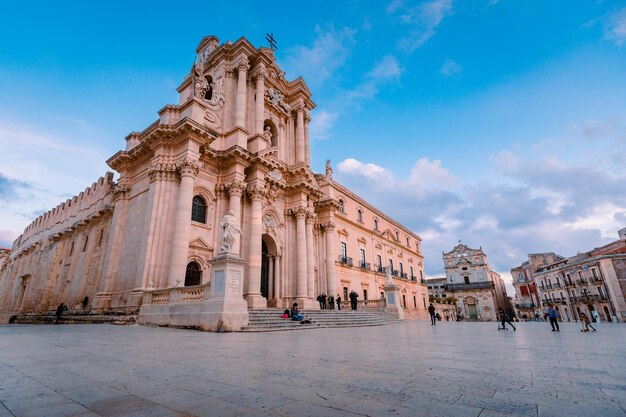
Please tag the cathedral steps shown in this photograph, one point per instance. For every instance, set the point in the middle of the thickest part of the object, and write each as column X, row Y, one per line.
column 270, row 320
column 74, row 317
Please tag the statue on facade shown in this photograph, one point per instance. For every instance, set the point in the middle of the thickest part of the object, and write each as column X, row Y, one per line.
column 230, row 230
column 329, row 170
column 267, row 132
column 388, row 275
column 200, row 84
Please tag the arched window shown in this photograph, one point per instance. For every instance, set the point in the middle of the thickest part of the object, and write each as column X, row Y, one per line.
column 193, row 276
column 375, row 224
column 397, row 236
column 341, row 206
column 359, row 215
column 198, row 210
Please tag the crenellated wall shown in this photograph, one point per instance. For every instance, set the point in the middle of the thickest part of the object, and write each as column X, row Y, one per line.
column 58, row 258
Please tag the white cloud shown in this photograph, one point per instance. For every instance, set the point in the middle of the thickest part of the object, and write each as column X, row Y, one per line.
column 426, row 173
column 394, row 5
column 615, row 28
column 450, row 68
column 6, row 238
column 322, row 123
column 505, row 161
column 424, row 20
column 370, row 171
column 330, row 50
column 387, row 68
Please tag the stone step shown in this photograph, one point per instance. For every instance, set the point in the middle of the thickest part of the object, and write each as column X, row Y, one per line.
column 270, row 319
column 50, row 318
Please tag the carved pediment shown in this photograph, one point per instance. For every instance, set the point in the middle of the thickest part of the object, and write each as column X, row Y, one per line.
column 200, row 243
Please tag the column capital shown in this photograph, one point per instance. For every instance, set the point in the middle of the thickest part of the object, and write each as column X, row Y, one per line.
column 300, row 212
column 162, row 171
column 329, row 226
column 188, row 168
column 242, row 65
column 235, row 188
column 121, row 190
column 310, row 217
column 256, row 193
column 307, row 118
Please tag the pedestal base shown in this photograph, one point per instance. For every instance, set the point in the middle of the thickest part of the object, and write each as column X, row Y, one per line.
column 256, row 302
column 392, row 298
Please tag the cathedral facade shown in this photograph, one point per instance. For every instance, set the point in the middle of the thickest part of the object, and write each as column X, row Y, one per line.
column 238, row 142
column 479, row 291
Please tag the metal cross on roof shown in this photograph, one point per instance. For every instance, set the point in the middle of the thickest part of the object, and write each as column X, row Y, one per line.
column 270, row 38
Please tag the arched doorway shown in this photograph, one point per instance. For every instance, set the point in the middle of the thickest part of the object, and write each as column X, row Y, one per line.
column 193, row 275
column 265, row 269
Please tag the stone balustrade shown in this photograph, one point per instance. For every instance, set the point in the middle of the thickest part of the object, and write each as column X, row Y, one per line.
column 191, row 294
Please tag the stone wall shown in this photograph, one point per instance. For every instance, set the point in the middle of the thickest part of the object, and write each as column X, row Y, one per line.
column 59, row 255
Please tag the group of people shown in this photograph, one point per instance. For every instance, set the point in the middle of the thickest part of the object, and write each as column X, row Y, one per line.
column 323, row 299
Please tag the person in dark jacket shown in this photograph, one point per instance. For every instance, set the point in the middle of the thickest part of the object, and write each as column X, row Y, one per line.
column 504, row 318
column 433, row 318
column 331, row 302
column 338, row 302
column 60, row 309
column 553, row 315
column 295, row 313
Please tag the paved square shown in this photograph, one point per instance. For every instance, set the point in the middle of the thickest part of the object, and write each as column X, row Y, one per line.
column 402, row 369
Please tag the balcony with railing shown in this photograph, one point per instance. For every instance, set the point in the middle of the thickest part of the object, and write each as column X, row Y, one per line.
column 486, row 285
column 394, row 272
column 364, row 265
column 404, row 275
column 548, row 286
column 380, row 268
column 413, row 278
column 344, row 260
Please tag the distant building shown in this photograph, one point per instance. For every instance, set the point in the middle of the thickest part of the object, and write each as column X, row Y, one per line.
column 437, row 287
column 528, row 300
column 592, row 282
column 479, row 290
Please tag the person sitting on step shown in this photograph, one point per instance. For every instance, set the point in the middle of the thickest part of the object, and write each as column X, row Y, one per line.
column 295, row 313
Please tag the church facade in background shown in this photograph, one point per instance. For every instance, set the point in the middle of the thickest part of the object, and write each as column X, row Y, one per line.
column 238, row 142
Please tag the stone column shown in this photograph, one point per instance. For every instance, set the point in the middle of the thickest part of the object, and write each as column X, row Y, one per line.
column 240, row 114
column 253, row 293
column 307, row 142
column 235, row 190
column 310, row 260
column 300, row 135
column 260, row 101
column 187, row 170
column 301, row 259
column 277, row 283
column 331, row 279
column 270, row 277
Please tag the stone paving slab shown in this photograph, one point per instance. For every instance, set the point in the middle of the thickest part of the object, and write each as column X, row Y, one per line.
column 403, row 369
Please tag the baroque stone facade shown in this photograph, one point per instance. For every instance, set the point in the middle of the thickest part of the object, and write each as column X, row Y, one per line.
column 238, row 141
column 479, row 291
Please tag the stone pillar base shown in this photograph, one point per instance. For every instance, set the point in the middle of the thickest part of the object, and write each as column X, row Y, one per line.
column 256, row 302
column 307, row 304
column 101, row 303
column 227, row 309
column 392, row 298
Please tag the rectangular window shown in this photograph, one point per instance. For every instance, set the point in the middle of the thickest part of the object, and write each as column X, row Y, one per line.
column 344, row 250
column 421, row 276
column 600, row 293
column 382, row 295
column 404, row 300
column 391, row 264
column 364, row 294
column 86, row 242
column 380, row 262
column 414, row 302
column 401, row 269
column 363, row 258
column 593, row 272
column 424, row 301
column 345, row 293
column 72, row 249
column 411, row 270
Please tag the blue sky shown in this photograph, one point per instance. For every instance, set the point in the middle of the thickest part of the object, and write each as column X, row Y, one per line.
column 501, row 123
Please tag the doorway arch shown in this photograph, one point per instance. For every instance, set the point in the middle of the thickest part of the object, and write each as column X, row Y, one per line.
column 270, row 266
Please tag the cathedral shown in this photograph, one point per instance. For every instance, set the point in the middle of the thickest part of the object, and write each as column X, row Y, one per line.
column 236, row 142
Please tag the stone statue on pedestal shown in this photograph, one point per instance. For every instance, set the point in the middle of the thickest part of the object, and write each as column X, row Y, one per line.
column 230, row 230
column 329, row 170
column 388, row 275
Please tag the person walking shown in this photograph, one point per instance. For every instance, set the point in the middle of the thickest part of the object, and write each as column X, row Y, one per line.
column 319, row 300
column 433, row 318
column 553, row 315
column 323, row 301
column 586, row 323
column 338, row 302
column 331, row 302
column 60, row 309
column 504, row 318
